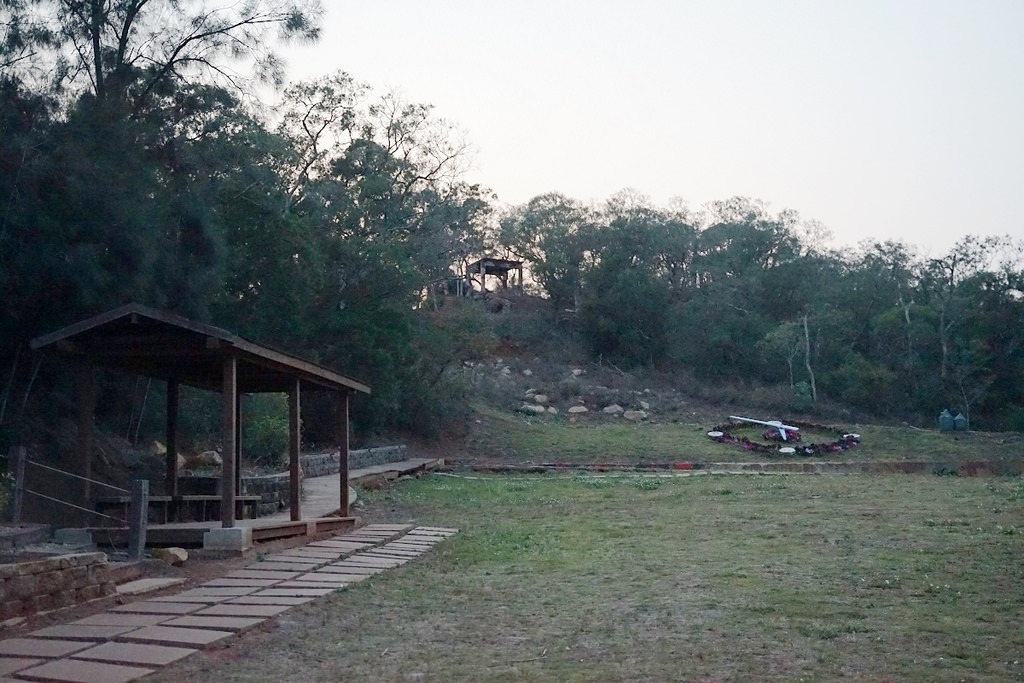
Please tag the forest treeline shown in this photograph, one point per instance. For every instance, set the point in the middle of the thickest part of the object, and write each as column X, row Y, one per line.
column 136, row 165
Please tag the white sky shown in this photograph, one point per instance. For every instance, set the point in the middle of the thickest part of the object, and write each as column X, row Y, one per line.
column 880, row 118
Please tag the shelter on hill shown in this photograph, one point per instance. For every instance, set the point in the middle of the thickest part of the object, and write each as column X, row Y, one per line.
column 180, row 351
column 479, row 270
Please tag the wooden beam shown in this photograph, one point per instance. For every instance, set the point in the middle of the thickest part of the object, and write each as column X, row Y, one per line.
column 343, row 453
column 171, row 464
column 294, row 444
column 229, row 420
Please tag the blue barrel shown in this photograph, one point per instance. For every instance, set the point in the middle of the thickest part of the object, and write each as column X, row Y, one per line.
column 961, row 423
column 946, row 421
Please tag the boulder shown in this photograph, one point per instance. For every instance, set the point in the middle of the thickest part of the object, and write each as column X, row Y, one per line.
column 644, row 405
column 578, row 410
column 635, row 415
column 532, row 409
column 540, row 399
column 613, row 409
column 576, row 372
column 527, row 372
column 172, row 556
column 552, row 410
column 205, row 459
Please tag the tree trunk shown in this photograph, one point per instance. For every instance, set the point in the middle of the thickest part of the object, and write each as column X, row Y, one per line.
column 807, row 360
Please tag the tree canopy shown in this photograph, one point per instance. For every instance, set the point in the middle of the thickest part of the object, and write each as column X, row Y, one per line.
column 133, row 167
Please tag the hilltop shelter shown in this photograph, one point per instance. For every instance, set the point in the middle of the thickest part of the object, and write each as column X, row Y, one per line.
column 165, row 346
column 497, row 267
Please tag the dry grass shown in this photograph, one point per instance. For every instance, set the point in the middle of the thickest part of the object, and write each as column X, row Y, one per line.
column 725, row 577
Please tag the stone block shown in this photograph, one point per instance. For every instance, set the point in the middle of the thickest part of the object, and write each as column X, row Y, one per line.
column 237, row 538
column 176, row 636
column 40, row 647
column 78, row 537
column 65, row 598
column 136, row 653
column 79, row 671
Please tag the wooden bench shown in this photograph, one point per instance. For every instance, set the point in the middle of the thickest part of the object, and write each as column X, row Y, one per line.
column 164, row 509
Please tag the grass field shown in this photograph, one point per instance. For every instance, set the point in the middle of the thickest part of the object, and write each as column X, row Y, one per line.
column 511, row 437
column 707, row 578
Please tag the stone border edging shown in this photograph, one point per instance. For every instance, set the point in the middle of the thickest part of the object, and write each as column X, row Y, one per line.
column 968, row 469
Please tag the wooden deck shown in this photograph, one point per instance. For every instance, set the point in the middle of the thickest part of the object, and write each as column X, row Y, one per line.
column 319, row 507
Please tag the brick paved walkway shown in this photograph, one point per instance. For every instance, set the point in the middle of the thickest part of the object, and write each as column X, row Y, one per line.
column 130, row 641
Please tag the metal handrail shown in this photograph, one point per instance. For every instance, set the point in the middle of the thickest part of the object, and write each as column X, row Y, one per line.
column 71, row 505
column 92, row 481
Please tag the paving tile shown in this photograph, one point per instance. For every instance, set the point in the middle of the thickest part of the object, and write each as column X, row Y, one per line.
column 135, row 653
column 341, row 545
column 435, row 529
column 397, row 552
column 296, row 592
column 218, row 623
column 234, row 610
column 251, row 583
column 181, row 597
column 9, row 665
column 374, row 561
column 288, row 600
column 389, row 527
column 278, row 566
column 315, row 553
column 354, row 568
column 426, row 542
column 229, row 591
column 80, row 671
column 349, row 578
column 402, row 545
column 260, row 574
column 292, row 559
column 147, row 585
column 170, row 635
column 121, row 619
column 332, row 576
column 371, row 555
column 81, row 632
column 148, row 607
column 40, row 647
column 333, row 584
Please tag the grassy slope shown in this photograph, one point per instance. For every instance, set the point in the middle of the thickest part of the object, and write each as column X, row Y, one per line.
column 718, row 577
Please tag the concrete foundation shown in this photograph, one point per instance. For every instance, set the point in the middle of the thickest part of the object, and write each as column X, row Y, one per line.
column 238, row 538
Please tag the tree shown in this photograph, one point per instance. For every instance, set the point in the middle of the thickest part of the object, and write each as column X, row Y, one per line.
column 126, row 52
column 551, row 232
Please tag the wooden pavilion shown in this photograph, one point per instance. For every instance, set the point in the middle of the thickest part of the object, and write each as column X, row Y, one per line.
column 181, row 351
column 495, row 267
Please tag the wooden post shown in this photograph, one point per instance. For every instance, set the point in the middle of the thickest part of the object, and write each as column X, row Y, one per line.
column 238, row 444
column 343, row 454
column 229, row 423
column 171, row 471
column 294, row 444
column 86, row 410
column 138, row 511
column 16, row 461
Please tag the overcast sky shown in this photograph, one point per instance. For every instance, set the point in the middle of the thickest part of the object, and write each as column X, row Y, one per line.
column 880, row 118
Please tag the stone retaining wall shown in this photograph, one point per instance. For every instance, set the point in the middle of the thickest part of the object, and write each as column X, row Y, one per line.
column 47, row 584
column 273, row 488
column 320, row 464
